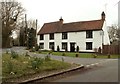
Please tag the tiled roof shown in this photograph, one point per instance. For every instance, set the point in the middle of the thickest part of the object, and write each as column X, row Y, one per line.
column 58, row 27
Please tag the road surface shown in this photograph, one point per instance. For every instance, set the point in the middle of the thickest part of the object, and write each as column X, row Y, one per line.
column 103, row 72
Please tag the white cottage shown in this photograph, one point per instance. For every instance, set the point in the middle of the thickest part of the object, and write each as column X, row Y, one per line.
column 87, row 35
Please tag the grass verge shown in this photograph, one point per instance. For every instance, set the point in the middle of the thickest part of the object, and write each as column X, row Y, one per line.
column 81, row 55
column 23, row 67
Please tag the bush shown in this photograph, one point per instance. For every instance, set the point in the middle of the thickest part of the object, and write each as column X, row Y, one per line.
column 64, row 54
column 99, row 50
column 36, row 63
column 14, row 54
column 58, row 49
column 109, row 56
column 47, row 58
column 36, row 47
column 94, row 56
column 77, row 49
column 77, row 55
column 26, row 54
column 32, row 50
column 39, row 51
column 7, row 51
column 50, row 51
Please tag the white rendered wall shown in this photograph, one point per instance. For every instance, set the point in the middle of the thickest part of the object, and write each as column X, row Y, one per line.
column 77, row 37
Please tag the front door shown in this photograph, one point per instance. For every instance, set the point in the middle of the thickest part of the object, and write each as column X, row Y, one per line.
column 72, row 47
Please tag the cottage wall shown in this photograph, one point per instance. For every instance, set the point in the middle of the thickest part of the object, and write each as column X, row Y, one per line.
column 79, row 38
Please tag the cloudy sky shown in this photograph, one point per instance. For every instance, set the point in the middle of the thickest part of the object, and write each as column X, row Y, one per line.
column 71, row 10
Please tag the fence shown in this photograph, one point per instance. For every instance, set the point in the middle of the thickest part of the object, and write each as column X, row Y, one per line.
column 111, row 49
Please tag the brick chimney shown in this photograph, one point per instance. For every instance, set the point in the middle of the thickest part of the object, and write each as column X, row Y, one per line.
column 103, row 16
column 61, row 20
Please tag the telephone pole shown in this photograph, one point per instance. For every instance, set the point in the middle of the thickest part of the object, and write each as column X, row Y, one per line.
column 36, row 32
column 26, row 38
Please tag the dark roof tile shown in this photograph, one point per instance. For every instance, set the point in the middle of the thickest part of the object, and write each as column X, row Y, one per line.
column 57, row 27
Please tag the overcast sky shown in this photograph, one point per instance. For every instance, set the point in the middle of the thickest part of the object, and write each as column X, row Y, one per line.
column 71, row 10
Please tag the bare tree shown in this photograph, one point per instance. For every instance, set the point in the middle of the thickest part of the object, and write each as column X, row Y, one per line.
column 113, row 34
column 11, row 13
column 31, row 23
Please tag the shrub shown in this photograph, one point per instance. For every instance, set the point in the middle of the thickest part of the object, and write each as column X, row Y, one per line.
column 7, row 51
column 77, row 55
column 58, row 49
column 77, row 49
column 36, row 47
column 50, row 51
column 39, row 51
column 109, row 56
column 26, row 54
column 63, row 54
column 99, row 50
column 32, row 50
column 36, row 63
column 94, row 56
column 14, row 54
column 47, row 58
column 62, row 59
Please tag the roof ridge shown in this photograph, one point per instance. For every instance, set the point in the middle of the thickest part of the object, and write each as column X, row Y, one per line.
column 51, row 22
column 83, row 21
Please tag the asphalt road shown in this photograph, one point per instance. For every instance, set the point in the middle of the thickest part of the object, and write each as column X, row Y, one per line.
column 106, row 71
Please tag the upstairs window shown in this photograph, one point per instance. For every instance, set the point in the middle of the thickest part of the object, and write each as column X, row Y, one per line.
column 88, row 45
column 51, row 36
column 64, row 35
column 89, row 34
column 41, row 36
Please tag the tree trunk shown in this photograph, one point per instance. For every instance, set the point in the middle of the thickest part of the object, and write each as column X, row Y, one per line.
column 6, row 42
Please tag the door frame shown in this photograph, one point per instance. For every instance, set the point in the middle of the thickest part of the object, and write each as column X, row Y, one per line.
column 72, row 46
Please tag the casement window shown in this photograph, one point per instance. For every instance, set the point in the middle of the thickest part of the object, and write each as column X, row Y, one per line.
column 51, row 36
column 89, row 34
column 64, row 45
column 41, row 45
column 41, row 36
column 51, row 45
column 64, row 35
column 88, row 45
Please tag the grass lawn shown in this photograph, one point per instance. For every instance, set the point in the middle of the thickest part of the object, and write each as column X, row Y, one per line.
column 81, row 55
column 21, row 66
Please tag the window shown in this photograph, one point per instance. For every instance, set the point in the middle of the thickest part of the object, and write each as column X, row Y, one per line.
column 51, row 36
column 64, row 35
column 41, row 45
column 41, row 37
column 88, row 45
column 51, row 45
column 89, row 34
column 64, row 45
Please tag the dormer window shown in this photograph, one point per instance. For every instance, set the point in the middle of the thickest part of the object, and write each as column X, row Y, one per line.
column 64, row 35
column 41, row 36
column 51, row 36
column 89, row 34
